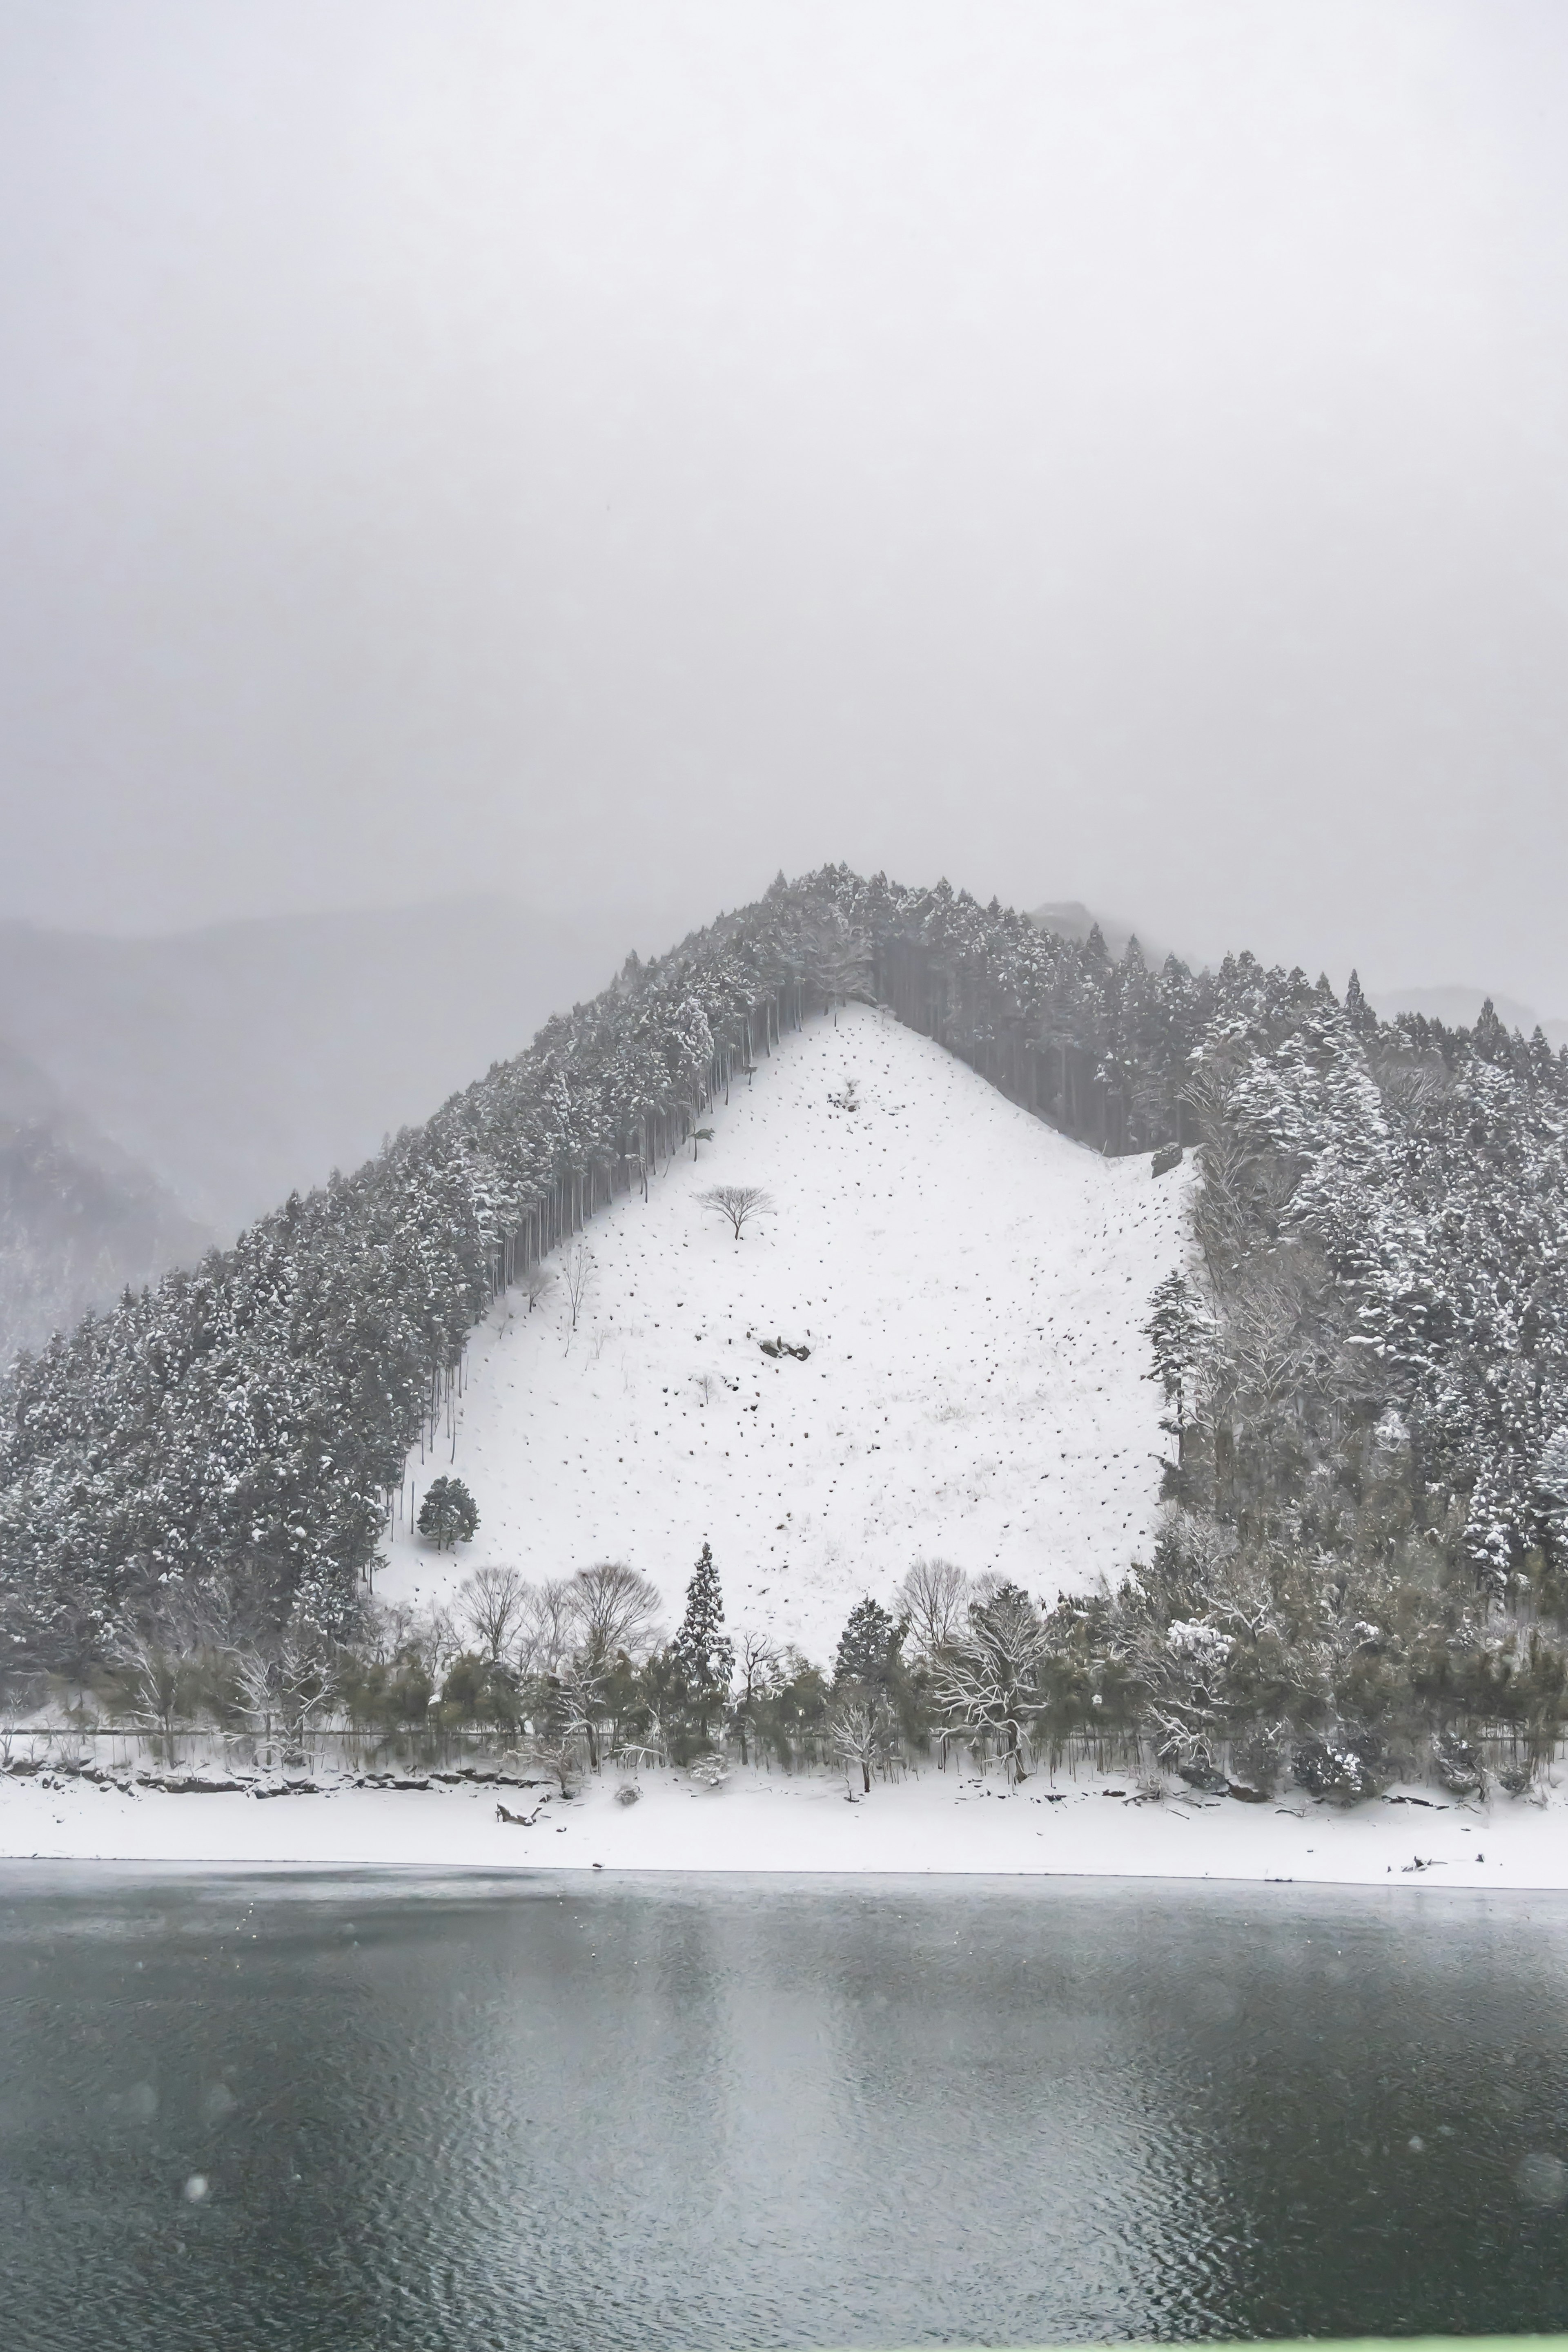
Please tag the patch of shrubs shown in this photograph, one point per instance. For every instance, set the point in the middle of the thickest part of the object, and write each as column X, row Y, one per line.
column 1458, row 1765
column 1343, row 1771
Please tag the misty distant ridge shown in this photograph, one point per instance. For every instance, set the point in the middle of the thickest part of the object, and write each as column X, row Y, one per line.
column 245, row 1060
column 1069, row 918
column 1458, row 1007
column 80, row 1218
column 158, row 1094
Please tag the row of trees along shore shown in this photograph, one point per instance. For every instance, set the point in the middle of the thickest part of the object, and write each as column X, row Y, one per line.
column 1365, row 1361
column 517, row 1681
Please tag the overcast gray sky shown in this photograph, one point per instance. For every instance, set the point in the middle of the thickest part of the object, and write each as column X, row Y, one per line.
column 602, row 449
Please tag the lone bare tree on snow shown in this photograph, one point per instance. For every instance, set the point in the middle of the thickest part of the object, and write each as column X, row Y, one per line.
column 579, row 1278
column 739, row 1203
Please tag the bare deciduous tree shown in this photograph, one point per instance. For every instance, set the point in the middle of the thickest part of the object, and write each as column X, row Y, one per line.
column 579, row 1278
column 563, row 1757
column 583, row 1690
column 388, row 1628
column 612, row 1608
column 538, row 1284
column 738, row 1203
column 933, row 1596
column 758, row 1662
column 494, row 1605
column 650, row 1749
column 548, row 1630
column 158, row 1683
column 987, row 1682
column 860, row 1735
column 283, row 1683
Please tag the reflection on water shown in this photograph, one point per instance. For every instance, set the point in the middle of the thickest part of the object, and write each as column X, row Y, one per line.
column 430, row 2112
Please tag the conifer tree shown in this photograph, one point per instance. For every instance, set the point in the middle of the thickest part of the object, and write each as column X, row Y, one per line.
column 702, row 1650
column 449, row 1515
column 1178, row 1331
column 869, row 1647
column 1358, row 1012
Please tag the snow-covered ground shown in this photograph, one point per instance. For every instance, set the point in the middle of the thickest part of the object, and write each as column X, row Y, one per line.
column 970, row 1285
column 933, row 1822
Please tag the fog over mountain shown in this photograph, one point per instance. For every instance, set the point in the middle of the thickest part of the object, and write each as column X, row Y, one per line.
column 1069, row 918
column 1457, row 1007
column 617, row 451
column 242, row 1061
column 79, row 1217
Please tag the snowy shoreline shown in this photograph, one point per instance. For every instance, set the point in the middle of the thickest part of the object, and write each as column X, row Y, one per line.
column 936, row 1822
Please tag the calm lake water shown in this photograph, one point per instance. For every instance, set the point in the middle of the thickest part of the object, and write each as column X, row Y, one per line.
column 397, row 2112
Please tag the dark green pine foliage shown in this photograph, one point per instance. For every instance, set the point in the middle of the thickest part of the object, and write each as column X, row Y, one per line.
column 1180, row 1332
column 448, row 1516
column 868, row 1648
column 1358, row 1012
column 702, row 1652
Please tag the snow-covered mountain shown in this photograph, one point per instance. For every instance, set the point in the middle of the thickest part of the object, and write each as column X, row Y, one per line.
column 970, row 1285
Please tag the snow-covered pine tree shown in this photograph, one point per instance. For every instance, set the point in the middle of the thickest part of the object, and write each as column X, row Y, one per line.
column 1179, row 1331
column 703, row 1653
column 1551, row 1492
column 869, row 1647
column 1358, row 1012
column 448, row 1516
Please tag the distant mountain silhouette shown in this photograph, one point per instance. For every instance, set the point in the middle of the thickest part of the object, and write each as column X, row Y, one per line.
column 79, row 1219
column 238, row 1063
column 1071, row 919
column 1457, row 1007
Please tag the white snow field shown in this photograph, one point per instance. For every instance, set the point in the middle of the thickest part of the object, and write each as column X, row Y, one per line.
column 970, row 1285
column 1091, row 1826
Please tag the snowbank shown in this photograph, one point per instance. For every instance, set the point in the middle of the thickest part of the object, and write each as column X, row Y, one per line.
column 934, row 1821
column 970, row 1285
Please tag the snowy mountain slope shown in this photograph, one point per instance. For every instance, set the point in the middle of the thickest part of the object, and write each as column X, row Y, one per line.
column 970, row 1285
